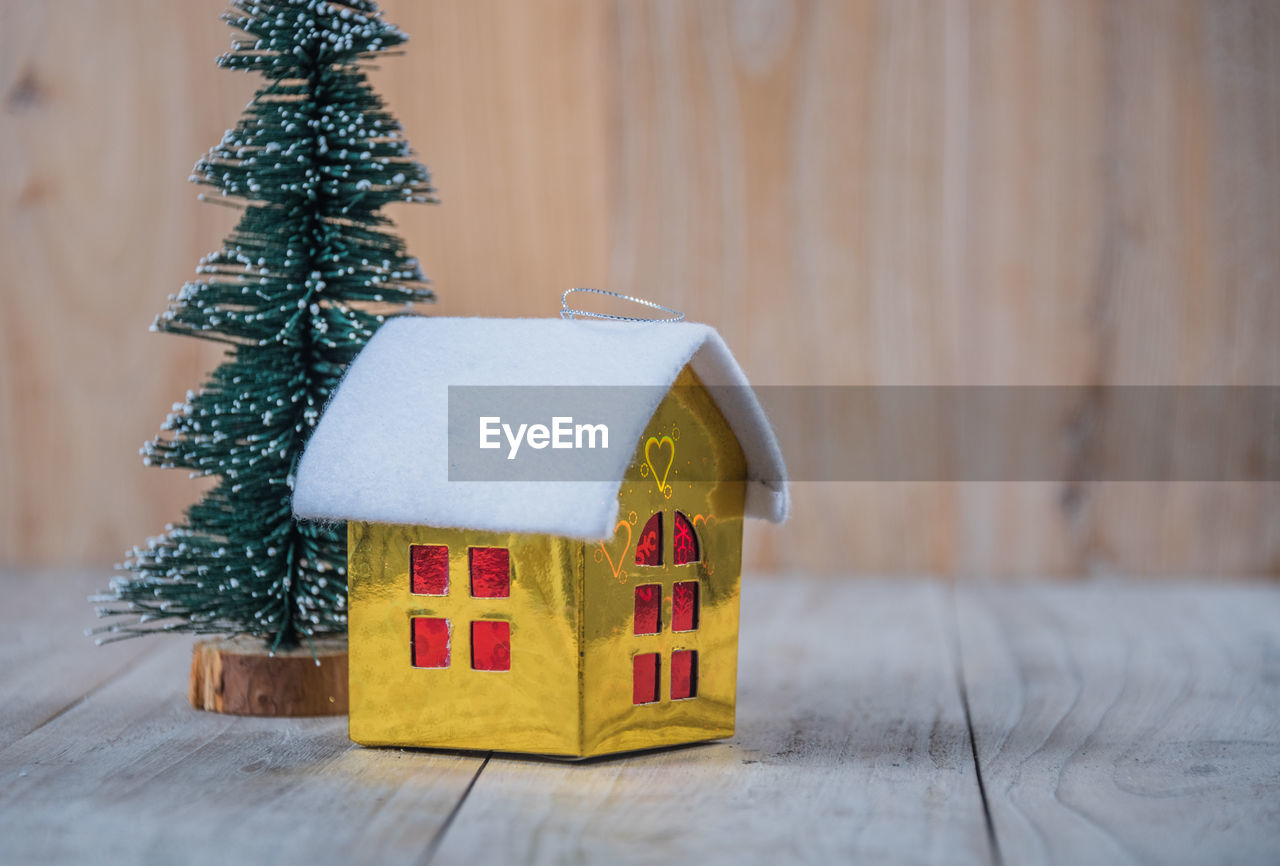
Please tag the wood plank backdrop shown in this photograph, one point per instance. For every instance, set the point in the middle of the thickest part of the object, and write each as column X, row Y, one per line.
column 955, row 192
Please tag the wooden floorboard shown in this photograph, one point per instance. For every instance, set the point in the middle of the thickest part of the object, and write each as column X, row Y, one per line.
column 1114, row 722
column 47, row 660
column 132, row 773
column 851, row 747
column 1127, row 723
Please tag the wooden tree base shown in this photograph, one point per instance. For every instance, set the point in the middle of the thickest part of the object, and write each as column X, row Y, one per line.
column 239, row 676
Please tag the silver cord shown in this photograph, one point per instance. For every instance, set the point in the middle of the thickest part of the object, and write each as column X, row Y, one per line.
column 567, row 312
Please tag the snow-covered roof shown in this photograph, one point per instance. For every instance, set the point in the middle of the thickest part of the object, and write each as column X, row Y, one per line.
column 379, row 453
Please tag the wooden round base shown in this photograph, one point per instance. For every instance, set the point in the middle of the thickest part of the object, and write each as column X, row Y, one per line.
column 239, row 676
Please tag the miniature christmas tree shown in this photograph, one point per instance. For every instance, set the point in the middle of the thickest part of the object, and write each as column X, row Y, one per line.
column 295, row 292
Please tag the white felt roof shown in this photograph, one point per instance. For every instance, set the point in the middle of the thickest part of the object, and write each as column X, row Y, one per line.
column 379, row 452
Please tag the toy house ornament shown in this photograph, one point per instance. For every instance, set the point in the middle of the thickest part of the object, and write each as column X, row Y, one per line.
column 561, row 617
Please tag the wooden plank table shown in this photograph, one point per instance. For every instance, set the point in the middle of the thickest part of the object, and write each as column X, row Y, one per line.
column 896, row 721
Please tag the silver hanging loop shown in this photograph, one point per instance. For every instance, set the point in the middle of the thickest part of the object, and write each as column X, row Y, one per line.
column 567, row 312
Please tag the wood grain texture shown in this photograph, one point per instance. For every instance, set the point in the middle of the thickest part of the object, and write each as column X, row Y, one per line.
column 1114, row 722
column 851, row 747
column 1118, row 724
column 47, row 661
column 890, row 192
column 243, row 677
column 133, row 774
column 103, row 119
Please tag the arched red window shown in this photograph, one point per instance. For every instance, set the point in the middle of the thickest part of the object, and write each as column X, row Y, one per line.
column 684, row 542
column 649, row 547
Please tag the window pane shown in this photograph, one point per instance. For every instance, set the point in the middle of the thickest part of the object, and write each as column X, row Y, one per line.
column 649, row 547
column 684, row 541
column 429, row 567
column 430, row 642
column 644, row 679
column 648, row 613
column 684, row 606
column 684, row 674
column 490, row 572
column 491, row 645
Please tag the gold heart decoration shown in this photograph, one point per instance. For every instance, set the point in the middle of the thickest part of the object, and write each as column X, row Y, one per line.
column 617, row 568
column 662, row 445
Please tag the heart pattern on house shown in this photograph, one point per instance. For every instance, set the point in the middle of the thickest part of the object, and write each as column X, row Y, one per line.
column 617, row 567
column 664, row 444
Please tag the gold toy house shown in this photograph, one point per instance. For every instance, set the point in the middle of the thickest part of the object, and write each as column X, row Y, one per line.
column 562, row 617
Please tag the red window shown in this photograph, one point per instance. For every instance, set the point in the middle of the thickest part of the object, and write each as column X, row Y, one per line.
column 684, row 541
column 490, row 572
column 430, row 642
column 685, row 611
column 490, row 645
column 644, row 678
column 684, row 606
column 648, row 613
column 649, row 547
column 429, row 569
column 684, row 674
column 430, row 637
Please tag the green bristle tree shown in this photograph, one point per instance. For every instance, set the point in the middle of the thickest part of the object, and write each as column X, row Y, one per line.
column 295, row 292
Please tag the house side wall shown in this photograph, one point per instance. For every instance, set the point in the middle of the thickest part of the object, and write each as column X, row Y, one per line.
column 702, row 445
column 533, row 707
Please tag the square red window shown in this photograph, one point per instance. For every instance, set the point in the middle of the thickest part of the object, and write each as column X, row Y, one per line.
column 644, row 678
column 684, row 674
column 648, row 612
column 684, row 606
column 430, row 642
column 490, row 572
column 490, row 645
column 429, row 569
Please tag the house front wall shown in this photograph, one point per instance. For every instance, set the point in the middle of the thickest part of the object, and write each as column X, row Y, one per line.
column 688, row 462
column 464, row 699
